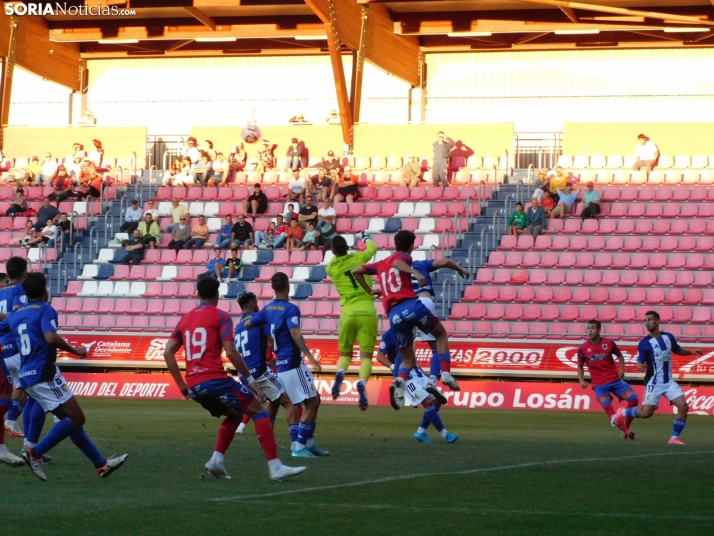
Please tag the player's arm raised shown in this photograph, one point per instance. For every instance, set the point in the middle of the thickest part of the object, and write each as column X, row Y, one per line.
column 170, row 350
column 234, row 357
column 448, row 263
column 296, row 334
column 402, row 266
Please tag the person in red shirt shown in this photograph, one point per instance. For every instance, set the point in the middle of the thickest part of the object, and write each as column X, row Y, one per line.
column 405, row 311
column 597, row 353
column 205, row 332
column 295, row 234
column 548, row 203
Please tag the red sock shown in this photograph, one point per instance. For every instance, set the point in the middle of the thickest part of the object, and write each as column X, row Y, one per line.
column 226, row 433
column 445, row 365
column 300, row 411
column 403, row 375
column 630, row 404
column 246, row 418
column 266, row 438
column 610, row 412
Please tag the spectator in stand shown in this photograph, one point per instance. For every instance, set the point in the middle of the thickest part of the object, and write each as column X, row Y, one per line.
column 185, row 176
column 171, row 173
column 191, row 150
column 548, row 203
column 326, row 232
column 242, row 234
column 35, row 170
column 333, row 118
column 63, row 186
column 591, row 202
column 543, row 184
column 330, row 162
column 46, row 235
column 178, row 210
column 290, row 215
column 346, row 187
column 294, row 154
column 199, row 234
column 517, row 221
column 440, row 166
column 224, row 235
column 297, row 188
column 234, row 264
column 150, row 231
column 132, row 217
column 90, row 179
column 558, row 182
column 220, row 170
column 49, row 167
column 64, row 225
column 87, row 119
column 18, row 205
column 18, row 175
column 151, row 209
column 97, row 154
column 294, row 235
column 310, row 239
column 411, row 172
column 202, row 170
column 266, row 160
column 216, row 266
column 647, row 154
column 46, row 212
column 180, row 233
column 536, row 220
column 321, row 184
column 135, row 248
column 78, row 150
column 327, row 211
column 272, row 238
column 257, row 203
column 208, row 148
column 567, row 202
column 237, row 158
column 30, row 233
column 299, row 118
column 308, row 213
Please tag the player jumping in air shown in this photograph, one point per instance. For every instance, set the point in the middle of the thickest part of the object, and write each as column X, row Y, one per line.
column 358, row 319
column 281, row 320
column 205, row 332
column 440, row 363
column 5, row 403
column 404, row 310
column 35, row 329
column 657, row 349
column 597, row 354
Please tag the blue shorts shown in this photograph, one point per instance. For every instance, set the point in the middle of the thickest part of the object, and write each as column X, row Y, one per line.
column 618, row 388
column 407, row 315
column 5, row 380
column 222, row 397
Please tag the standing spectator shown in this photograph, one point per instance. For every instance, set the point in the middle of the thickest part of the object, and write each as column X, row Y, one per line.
column 49, row 167
column 297, row 187
column 646, row 153
column 242, row 234
column 295, row 235
column 191, row 150
column 548, row 203
column 220, row 170
column 151, row 209
column 208, row 148
column 199, row 234
column 330, row 162
column 257, row 203
column 266, row 160
column 180, row 233
column 135, row 249
column 272, row 238
column 97, row 155
column 536, row 221
column 150, row 232
column 46, row 235
column 321, row 184
column 47, row 211
column 201, row 170
column 346, row 187
column 410, row 174
column 327, row 211
column 178, row 210
column 333, row 118
column 171, row 174
column 308, row 213
column 290, row 215
column 440, row 167
column 517, row 221
column 234, row 264
column 64, row 225
column 591, row 200
column 63, row 186
column 18, row 205
column 216, row 266
column 567, row 201
column 132, row 217
column 35, row 169
column 224, row 235
column 294, row 154
column 309, row 240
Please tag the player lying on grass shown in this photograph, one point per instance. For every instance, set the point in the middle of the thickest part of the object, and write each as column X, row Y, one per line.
column 597, row 354
column 205, row 332
column 358, row 319
column 418, row 389
column 35, row 327
column 655, row 356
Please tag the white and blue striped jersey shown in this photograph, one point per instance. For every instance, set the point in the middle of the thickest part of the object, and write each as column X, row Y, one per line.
column 657, row 353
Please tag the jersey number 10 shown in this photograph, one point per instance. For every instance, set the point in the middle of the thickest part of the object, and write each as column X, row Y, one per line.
column 392, row 278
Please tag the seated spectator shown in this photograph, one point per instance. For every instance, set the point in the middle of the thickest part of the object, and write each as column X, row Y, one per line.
column 290, row 215
column 646, row 153
column 90, row 179
column 64, row 225
column 132, row 217
column 299, row 118
column 558, row 182
column 297, row 187
column 567, row 202
column 294, row 154
column 135, row 249
column 272, row 238
column 220, row 170
column 517, row 221
column 536, row 220
column 543, row 184
column 47, row 235
column 97, row 155
column 49, row 167
column 30, row 233
column 63, row 186
column 346, row 187
column 180, row 233
column 74, row 169
column 327, row 211
column 591, row 201
column 333, row 118
column 47, row 211
column 237, row 160
column 326, row 232
column 191, row 150
column 202, row 170
column 411, row 172
column 224, row 235
column 330, row 162
column 20, row 176
column 185, row 176
column 308, row 213
column 321, row 184
column 548, row 203
column 216, row 266
column 242, row 234
column 266, row 160
column 151, row 209
column 234, row 264
column 178, row 210
column 78, row 150
column 208, row 148
column 257, row 203
column 171, row 173
column 35, row 170
column 18, row 204
column 150, row 232
column 294, row 235
column 310, row 239
column 199, row 234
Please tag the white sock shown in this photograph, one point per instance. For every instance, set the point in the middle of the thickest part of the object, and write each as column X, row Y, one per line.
column 299, row 446
column 274, row 465
column 3, row 447
column 340, row 371
column 218, row 458
column 28, row 444
column 310, row 442
column 363, row 381
column 444, row 432
column 432, row 378
column 421, row 430
column 241, row 427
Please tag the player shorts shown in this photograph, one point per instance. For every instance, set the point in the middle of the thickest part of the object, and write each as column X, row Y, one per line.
column 222, row 396
column 619, row 388
column 407, row 315
column 416, row 383
column 13, row 366
column 429, row 303
column 5, row 379
column 358, row 322
column 298, row 383
column 52, row 394
column 270, row 385
column 653, row 392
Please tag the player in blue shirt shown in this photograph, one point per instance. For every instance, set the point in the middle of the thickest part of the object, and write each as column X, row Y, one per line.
column 419, row 389
column 35, row 329
column 426, row 294
column 657, row 348
column 280, row 320
column 253, row 346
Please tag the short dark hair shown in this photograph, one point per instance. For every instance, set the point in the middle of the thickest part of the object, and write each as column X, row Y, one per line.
column 217, row 249
column 280, row 282
column 641, row 137
column 207, row 288
column 16, row 267
column 339, row 245
column 519, row 204
column 653, row 313
column 595, row 323
column 35, row 285
column 245, row 297
column 3, row 275
column 404, row 240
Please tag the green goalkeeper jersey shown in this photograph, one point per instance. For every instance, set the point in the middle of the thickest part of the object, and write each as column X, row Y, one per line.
column 340, row 270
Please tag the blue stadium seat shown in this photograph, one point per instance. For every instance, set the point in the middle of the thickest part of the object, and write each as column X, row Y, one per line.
column 105, row 271
column 302, row 292
column 393, row 225
column 119, row 256
column 233, row 290
column 249, row 273
column 317, row 274
column 264, row 256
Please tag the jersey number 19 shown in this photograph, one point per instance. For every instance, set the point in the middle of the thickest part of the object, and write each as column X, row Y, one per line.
column 195, row 344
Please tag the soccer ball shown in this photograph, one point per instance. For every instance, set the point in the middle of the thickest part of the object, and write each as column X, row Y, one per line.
column 251, row 133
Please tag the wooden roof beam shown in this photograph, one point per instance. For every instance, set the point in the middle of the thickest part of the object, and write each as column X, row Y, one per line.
column 201, row 17
column 570, row 13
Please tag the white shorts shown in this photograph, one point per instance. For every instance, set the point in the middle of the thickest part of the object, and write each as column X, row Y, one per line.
column 270, row 385
column 298, row 383
column 13, row 365
column 416, row 386
column 50, row 395
column 653, row 392
column 429, row 303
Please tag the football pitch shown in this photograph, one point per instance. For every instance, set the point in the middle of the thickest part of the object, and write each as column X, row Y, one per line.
column 510, row 472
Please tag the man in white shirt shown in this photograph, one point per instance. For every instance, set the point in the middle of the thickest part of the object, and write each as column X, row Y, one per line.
column 151, row 209
column 646, row 153
column 327, row 211
column 132, row 217
column 296, row 187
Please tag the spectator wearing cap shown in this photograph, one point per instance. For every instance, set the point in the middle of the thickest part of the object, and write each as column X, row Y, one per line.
column 224, row 235
column 536, row 221
column 199, row 234
column 327, row 211
column 151, row 209
column 321, row 184
column 18, row 205
column 270, row 238
column 298, row 118
column 330, row 162
column 149, row 231
column 132, row 217
column 135, row 248
column 646, row 153
column 294, row 154
column 180, row 233
column 297, row 187
column 178, row 210
column 257, row 203
column 411, row 172
column 242, row 234
column 266, row 160
column 333, row 118
column 566, row 204
column 591, row 201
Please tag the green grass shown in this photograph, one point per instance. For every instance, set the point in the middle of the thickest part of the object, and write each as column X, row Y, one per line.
column 161, row 489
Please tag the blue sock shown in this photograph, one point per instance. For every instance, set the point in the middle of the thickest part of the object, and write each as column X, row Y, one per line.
column 15, row 410
column 33, row 420
column 678, row 427
column 59, row 431
column 630, row 412
column 446, row 356
column 304, row 432
column 261, row 415
column 293, row 431
column 433, row 417
column 424, row 421
column 81, row 439
column 435, row 367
